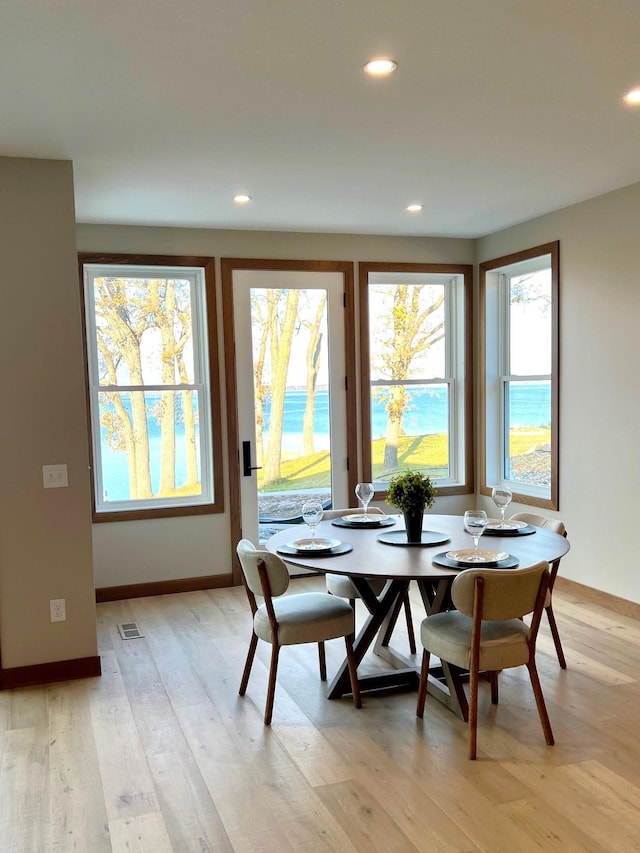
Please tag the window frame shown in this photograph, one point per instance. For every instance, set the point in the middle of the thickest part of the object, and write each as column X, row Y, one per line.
column 206, row 322
column 463, row 311
column 494, row 356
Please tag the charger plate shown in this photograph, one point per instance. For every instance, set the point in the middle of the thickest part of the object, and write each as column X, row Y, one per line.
column 335, row 551
column 356, row 519
column 517, row 528
column 445, row 562
column 399, row 537
column 313, row 544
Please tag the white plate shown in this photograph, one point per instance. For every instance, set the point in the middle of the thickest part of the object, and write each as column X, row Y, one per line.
column 317, row 544
column 468, row 555
column 356, row 517
column 496, row 524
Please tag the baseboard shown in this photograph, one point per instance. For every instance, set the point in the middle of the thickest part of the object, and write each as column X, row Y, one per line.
column 142, row 590
column 595, row 596
column 48, row 673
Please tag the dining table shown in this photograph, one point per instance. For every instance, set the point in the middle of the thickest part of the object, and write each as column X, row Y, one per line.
column 378, row 548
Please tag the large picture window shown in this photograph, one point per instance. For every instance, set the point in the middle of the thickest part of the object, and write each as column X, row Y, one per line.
column 520, row 400
column 150, row 380
column 416, row 359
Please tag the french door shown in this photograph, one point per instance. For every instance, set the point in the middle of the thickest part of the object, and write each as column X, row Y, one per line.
column 291, row 403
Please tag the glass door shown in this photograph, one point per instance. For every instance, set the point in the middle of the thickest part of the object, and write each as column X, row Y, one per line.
column 291, row 400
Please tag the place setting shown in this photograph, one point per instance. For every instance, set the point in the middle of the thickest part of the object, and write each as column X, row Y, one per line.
column 475, row 524
column 499, row 527
column 316, row 546
column 367, row 519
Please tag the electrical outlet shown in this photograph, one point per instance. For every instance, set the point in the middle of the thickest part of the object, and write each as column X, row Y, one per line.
column 58, row 608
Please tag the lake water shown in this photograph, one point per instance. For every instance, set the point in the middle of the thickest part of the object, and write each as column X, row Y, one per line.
column 530, row 405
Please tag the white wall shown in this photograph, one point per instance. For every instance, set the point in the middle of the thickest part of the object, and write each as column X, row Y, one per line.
column 144, row 551
column 599, row 382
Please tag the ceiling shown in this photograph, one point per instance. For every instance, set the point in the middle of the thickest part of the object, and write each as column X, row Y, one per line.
column 500, row 110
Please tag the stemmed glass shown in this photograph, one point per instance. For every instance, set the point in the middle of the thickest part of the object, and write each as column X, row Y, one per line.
column 475, row 521
column 501, row 498
column 364, row 493
column 312, row 511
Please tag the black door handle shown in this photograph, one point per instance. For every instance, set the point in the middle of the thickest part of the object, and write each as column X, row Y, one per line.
column 246, row 460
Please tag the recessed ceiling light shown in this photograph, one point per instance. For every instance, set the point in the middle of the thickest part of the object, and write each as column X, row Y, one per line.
column 633, row 96
column 380, row 67
column 242, row 199
column 414, row 208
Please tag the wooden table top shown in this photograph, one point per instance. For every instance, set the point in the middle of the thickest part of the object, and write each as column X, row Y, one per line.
column 371, row 558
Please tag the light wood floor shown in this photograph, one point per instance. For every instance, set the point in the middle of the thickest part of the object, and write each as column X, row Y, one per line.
column 161, row 754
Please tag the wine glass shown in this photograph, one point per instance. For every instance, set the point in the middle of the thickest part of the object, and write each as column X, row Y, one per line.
column 475, row 521
column 364, row 493
column 312, row 511
column 501, row 498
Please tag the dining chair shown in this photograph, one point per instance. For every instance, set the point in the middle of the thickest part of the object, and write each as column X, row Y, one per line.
column 285, row 620
column 556, row 526
column 344, row 587
column 486, row 633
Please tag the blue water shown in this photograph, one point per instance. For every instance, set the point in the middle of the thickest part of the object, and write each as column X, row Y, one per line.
column 427, row 413
column 530, row 405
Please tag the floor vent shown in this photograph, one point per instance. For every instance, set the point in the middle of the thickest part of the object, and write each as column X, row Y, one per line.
column 130, row 631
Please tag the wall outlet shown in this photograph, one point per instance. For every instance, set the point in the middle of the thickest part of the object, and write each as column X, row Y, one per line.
column 58, row 608
column 55, row 476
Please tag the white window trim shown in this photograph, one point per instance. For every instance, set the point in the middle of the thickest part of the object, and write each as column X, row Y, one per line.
column 496, row 346
column 201, row 384
column 455, row 339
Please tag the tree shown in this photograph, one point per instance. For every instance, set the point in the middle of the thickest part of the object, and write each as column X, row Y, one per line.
column 314, row 349
column 129, row 311
column 282, row 316
column 416, row 325
column 122, row 318
column 262, row 318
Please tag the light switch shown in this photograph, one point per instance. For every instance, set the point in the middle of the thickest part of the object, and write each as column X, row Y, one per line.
column 55, row 476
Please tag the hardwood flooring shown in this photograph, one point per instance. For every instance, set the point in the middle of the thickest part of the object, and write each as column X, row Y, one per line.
column 161, row 754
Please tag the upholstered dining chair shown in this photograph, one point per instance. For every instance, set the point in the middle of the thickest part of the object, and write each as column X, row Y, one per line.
column 556, row 526
column 284, row 620
column 344, row 587
column 487, row 634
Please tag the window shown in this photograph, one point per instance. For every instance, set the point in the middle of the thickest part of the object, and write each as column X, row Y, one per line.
column 416, row 357
column 153, row 385
column 520, row 358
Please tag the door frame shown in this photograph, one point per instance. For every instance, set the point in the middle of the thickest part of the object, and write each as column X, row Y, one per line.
column 228, row 266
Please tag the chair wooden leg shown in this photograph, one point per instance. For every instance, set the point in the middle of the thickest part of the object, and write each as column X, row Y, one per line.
column 249, row 663
column 473, row 712
column 271, row 690
column 323, row 661
column 493, row 678
column 542, row 708
column 407, row 613
column 422, row 689
column 556, row 637
column 353, row 671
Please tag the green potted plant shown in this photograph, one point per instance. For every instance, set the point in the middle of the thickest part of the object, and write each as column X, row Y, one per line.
column 412, row 492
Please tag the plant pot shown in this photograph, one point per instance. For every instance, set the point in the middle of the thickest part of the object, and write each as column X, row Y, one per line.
column 413, row 524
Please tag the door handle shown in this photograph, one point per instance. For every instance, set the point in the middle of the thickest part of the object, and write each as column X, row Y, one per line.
column 246, row 460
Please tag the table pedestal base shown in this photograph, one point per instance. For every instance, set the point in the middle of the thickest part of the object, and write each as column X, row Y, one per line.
column 445, row 680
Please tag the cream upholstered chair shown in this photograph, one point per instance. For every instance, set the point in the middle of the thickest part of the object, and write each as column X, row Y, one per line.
column 487, row 634
column 344, row 587
column 284, row 620
column 556, row 526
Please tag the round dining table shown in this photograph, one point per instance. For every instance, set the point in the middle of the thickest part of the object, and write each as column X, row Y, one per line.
column 399, row 563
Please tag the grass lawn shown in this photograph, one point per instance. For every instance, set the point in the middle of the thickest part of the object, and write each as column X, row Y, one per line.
column 428, row 453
